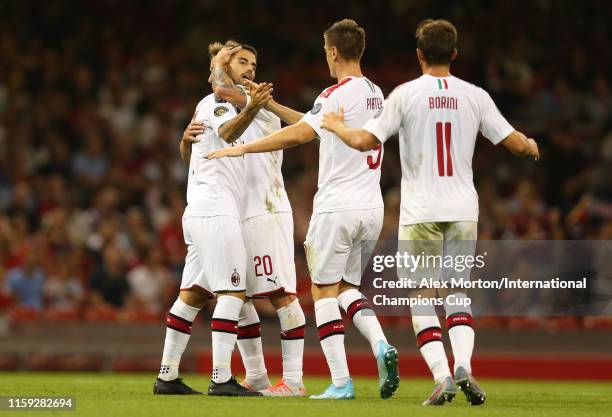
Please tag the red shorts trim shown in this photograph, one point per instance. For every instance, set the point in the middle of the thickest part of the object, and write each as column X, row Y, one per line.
column 269, row 293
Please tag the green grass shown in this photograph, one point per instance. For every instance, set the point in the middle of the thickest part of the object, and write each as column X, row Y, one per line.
column 131, row 395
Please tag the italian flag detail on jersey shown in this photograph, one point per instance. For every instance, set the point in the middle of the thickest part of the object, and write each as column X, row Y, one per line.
column 442, row 84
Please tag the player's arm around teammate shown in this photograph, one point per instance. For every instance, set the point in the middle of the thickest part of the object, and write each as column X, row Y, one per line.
column 285, row 138
column 193, row 130
column 363, row 140
column 232, row 129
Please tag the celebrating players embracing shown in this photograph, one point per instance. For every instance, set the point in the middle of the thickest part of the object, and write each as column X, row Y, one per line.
column 438, row 117
column 348, row 210
column 267, row 223
column 216, row 256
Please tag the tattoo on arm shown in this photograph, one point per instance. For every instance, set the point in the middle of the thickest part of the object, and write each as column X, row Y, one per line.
column 233, row 129
column 226, row 89
column 221, row 79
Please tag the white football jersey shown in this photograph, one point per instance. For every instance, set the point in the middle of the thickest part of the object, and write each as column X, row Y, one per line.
column 348, row 179
column 265, row 186
column 438, row 120
column 215, row 187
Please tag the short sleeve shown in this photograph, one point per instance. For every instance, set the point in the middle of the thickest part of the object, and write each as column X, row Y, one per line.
column 219, row 112
column 387, row 122
column 493, row 125
column 321, row 106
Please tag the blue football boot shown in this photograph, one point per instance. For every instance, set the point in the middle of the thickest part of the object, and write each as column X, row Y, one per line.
column 345, row 392
column 388, row 374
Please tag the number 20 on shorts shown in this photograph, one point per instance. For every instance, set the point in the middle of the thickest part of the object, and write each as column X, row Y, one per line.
column 263, row 263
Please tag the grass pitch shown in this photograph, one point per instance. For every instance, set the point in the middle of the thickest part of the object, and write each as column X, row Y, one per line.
column 131, row 395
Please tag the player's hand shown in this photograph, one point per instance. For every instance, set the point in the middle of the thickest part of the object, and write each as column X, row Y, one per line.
column 251, row 87
column 533, row 149
column 227, row 152
column 261, row 95
column 332, row 121
column 193, row 130
column 224, row 55
column 222, row 58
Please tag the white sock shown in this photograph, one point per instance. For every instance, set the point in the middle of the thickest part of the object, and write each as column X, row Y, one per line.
column 360, row 311
column 249, row 344
column 429, row 341
column 178, row 331
column 224, row 325
column 461, row 335
column 292, row 323
column 331, row 335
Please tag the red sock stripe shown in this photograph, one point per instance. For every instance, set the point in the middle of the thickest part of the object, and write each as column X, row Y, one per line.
column 357, row 305
column 293, row 334
column 331, row 328
column 223, row 325
column 459, row 319
column 250, row 331
column 430, row 334
column 179, row 324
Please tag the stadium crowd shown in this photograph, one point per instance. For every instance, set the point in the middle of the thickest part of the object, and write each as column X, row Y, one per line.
column 94, row 97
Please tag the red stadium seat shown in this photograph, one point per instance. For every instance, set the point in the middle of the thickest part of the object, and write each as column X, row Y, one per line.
column 103, row 314
column 562, row 323
column 525, row 323
column 598, row 323
column 20, row 313
column 489, row 322
column 143, row 316
column 60, row 315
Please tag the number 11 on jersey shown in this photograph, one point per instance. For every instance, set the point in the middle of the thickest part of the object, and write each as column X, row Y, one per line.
column 443, row 137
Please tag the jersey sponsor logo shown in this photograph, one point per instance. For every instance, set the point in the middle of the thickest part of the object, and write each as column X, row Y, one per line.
column 220, row 111
column 316, row 108
column 273, row 281
column 235, row 278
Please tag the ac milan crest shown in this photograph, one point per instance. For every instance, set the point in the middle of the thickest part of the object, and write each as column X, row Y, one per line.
column 235, row 278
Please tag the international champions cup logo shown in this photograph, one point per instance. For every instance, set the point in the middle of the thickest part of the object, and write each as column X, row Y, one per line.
column 235, row 279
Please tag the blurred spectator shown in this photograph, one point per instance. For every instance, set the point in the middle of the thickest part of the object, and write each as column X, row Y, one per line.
column 25, row 283
column 109, row 286
column 63, row 289
column 150, row 282
column 89, row 165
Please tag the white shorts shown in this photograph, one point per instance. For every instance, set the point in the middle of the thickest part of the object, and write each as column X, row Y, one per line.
column 216, row 257
column 455, row 239
column 270, row 255
column 334, row 244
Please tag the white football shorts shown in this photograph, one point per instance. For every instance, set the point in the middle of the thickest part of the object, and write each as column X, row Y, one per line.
column 270, row 255
column 216, row 256
column 335, row 242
